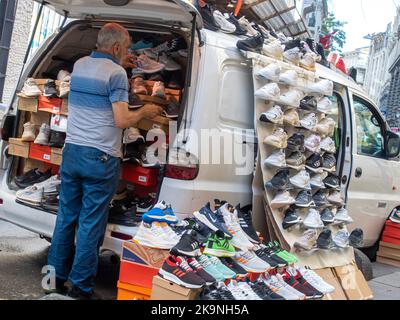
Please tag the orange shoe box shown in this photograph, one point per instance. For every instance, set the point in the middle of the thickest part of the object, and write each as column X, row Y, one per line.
column 41, row 153
column 130, row 292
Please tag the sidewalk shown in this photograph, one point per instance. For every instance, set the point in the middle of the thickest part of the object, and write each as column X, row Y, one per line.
column 386, row 282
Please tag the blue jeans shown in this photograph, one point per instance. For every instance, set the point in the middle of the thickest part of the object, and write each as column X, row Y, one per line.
column 89, row 178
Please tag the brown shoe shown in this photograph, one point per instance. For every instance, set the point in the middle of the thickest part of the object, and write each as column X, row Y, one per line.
column 158, row 90
column 137, row 86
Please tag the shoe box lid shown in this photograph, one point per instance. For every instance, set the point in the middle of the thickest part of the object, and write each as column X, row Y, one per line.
column 166, row 290
column 137, row 253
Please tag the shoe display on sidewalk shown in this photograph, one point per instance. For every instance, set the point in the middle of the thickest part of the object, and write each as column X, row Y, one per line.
column 64, row 75
column 277, row 160
column 264, row 292
column 242, row 293
column 356, row 238
column 288, row 257
column 301, row 180
column 225, row 25
column 269, row 92
column 273, row 49
column 332, row 181
column 282, row 199
column 313, row 220
column 50, row 89
column 161, row 212
column 307, row 241
column 280, row 181
column 223, row 269
column 169, row 63
column 267, row 254
column 290, row 78
column 250, row 262
column 44, row 135
column 314, row 163
column 219, row 292
column 291, row 219
column 210, row 268
column 132, row 135
column 327, row 217
column 253, row 44
column 208, row 17
column 251, row 32
column 325, row 241
column 325, row 105
column 239, row 31
column 278, row 287
column 273, row 115
column 212, row 220
column 271, row 72
column 154, row 236
column 171, row 111
column 291, row 117
column 307, row 61
column 341, row 239
column 317, row 181
column 219, row 246
column 29, row 133
column 292, row 56
column 326, row 127
column 234, row 266
column 309, row 103
column 308, row 293
column 64, row 89
column 315, row 293
column 320, row 199
column 135, row 102
column 158, row 90
column 57, row 139
column 30, row 88
column 279, row 139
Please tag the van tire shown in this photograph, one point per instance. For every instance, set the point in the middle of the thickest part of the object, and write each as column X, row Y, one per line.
column 371, row 252
column 364, row 264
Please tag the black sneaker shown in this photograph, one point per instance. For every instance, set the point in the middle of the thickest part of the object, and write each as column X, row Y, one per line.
column 175, row 81
column 187, row 245
column 213, row 220
column 325, row 240
column 123, row 216
column 296, row 143
column 253, row 44
column 51, row 203
column 57, row 139
column 203, row 232
column 309, row 103
column 239, row 30
column 79, row 294
column 264, row 254
column 327, row 216
column 232, row 264
column 291, row 219
column 135, row 102
column 217, row 292
column 264, row 292
column 246, row 223
column 304, row 199
column 329, row 162
column 280, row 182
column 321, row 52
column 50, row 89
column 199, row 270
column 144, row 205
column 320, row 199
column 356, row 238
column 31, row 177
column 208, row 17
column 295, row 43
column 332, row 181
column 268, row 251
column 314, row 163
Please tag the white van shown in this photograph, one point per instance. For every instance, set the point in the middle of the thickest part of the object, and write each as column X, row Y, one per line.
column 218, row 95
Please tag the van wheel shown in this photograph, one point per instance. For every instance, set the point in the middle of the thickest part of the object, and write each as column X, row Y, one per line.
column 371, row 251
column 363, row 264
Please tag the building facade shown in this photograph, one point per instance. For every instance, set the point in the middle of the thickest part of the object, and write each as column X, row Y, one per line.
column 357, row 59
column 313, row 13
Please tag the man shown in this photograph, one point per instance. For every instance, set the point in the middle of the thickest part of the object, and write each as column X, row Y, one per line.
column 98, row 111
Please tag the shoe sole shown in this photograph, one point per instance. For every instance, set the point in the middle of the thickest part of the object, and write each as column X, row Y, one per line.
column 159, row 219
column 308, row 205
column 170, row 277
column 205, row 221
column 147, row 243
column 195, row 253
column 318, row 170
column 219, row 253
column 253, row 270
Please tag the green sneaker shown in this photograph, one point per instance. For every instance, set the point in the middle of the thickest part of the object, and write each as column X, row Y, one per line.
column 210, row 268
column 288, row 257
column 219, row 247
column 228, row 273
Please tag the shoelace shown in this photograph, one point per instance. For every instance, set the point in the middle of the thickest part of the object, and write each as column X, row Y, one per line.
column 196, row 264
column 185, row 266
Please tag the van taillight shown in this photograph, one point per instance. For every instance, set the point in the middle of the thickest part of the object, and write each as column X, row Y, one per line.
column 121, row 236
column 181, row 172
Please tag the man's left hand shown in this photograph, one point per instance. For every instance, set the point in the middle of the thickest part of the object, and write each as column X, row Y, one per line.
column 128, row 61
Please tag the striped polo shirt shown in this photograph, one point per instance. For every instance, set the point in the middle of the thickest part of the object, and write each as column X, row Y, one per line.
column 97, row 81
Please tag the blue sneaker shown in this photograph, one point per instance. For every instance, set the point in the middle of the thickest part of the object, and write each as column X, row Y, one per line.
column 213, row 220
column 142, row 45
column 161, row 212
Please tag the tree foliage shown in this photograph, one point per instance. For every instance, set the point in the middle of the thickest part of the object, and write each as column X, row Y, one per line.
column 330, row 25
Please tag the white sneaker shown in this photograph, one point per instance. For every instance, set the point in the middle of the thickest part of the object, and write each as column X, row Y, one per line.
column 273, row 49
column 324, row 87
column 242, row 292
column 317, row 181
column 225, row 25
column 269, row 92
column 341, row 239
column 307, row 62
column 292, row 56
column 307, row 241
column 44, row 134
column 248, row 291
column 278, row 139
column 316, row 281
column 29, row 133
column 50, row 186
column 313, row 220
column 132, row 135
column 277, row 159
column 326, row 127
column 30, row 88
column 250, row 262
column 342, row 216
column 153, row 236
column 271, row 72
column 282, row 199
column 279, row 287
column 309, row 122
column 64, row 76
column 335, row 198
column 291, row 98
column 245, row 24
column 32, row 195
column 291, row 117
column 64, row 89
column 325, row 105
column 312, row 143
column 170, row 233
column 273, row 115
column 289, row 77
column 170, row 65
column 301, row 180
column 300, row 295
column 328, row 145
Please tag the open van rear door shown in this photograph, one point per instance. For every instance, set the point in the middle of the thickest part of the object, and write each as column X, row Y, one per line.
column 169, row 11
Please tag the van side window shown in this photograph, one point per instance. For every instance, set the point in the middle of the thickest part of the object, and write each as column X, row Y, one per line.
column 369, row 132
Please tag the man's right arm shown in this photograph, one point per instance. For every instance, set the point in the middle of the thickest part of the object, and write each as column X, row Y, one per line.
column 125, row 118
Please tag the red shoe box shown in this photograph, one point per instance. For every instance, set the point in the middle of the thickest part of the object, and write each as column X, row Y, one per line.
column 52, row 105
column 39, row 152
column 136, row 174
column 392, row 230
column 391, row 240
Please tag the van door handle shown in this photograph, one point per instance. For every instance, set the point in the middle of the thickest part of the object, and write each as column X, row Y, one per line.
column 359, row 172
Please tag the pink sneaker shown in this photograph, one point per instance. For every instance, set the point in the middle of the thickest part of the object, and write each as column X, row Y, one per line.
column 148, row 65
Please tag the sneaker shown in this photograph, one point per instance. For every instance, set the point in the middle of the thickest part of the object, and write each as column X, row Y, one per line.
column 176, row 270
column 135, row 102
column 32, row 177
column 314, row 163
column 44, row 135
column 251, row 263
column 239, row 31
column 279, row 139
column 265, row 253
column 291, row 117
column 313, row 220
column 132, row 135
column 253, row 44
column 208, row 17
column 225, row 25
column 277, row 159
column 147, row 65
column 328, row 145
column 171, row 111
column 320, row 199
column 212, row 220
column 317, row 182
column 309, row 103
column 326, row 127
column 301, row 180
column 50, row 89
column 159, row 90
column 341, row 239
column 296, row 143
column 316, row 281
column 329, row 162
column 64, row 89
column 279, row 287
column 138, row 87
column 332, row 181
column 161, row 212
column 327, row 217
column 290, row 78
column 291, row 44
column 57, row 139
column 187, row 245
column 31, row 195
column 304, row 199
column 263, row 291
column 309, row 122
column 216, row 293
column 307, row 62
column 240, row 293
column 273, row 49
column 288, row 257
column 210, row 268
column 234, row 266
column 245, row 24
column 356, row 238
column 273, row 115
column 246, row 223
column 307, row 241
column 291, row 281
column 325, row 241
column 296, row 161
column 248, row 291
column 292, row 56
column 271, row 72
column 291, row 288
column 154, row 236
column 280, row 181
column 312, row 143
column 282, row 199
column 200, row 271
column 310, row 47
column 227, row 272
column 269, row 92
column 291, row 98
column 304, row 283
column 291, row 219
column 323, row 87
column 325, row 105
column 342, row 216
column 169, row 63
column 29, row 133
column 64, row 75
column 145, row 204
column 219, row 246
column 175, row 81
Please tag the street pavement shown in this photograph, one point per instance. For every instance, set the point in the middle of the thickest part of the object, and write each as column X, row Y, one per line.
column 23, row 255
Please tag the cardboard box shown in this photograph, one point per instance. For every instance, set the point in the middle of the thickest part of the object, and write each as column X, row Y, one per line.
column 353, row 283
column 147, row 177
column 38, row 118
column 166, row 290
column 51, row 105
column 19, row 148
column 41, row 153
column 329, row 276
column 56, row 156
column 156, row 123
column 64, row 107
column 388, row 261
column 388, row 250
column 130, row 292
column 27, row 104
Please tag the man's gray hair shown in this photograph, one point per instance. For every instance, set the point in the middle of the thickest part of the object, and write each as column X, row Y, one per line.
column 111, row 33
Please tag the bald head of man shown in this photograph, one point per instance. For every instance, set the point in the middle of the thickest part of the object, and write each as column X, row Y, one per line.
column 114, row 39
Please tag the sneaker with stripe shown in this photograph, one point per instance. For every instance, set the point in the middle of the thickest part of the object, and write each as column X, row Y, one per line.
column 199, row 270
column 246, row 223
column 249, row 261
column 219, row 246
